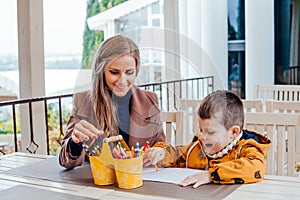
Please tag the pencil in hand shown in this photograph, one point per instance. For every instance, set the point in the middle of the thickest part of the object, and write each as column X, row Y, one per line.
column 156, row 168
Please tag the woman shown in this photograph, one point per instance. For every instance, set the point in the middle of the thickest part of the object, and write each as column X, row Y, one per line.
column 114, row 106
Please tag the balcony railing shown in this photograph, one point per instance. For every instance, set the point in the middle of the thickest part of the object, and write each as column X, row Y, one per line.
column 169, row 94
column 29, row 102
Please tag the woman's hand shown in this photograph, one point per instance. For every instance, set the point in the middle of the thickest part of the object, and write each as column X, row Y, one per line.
column 153, row 155
column 198, row 179
column 84, row 130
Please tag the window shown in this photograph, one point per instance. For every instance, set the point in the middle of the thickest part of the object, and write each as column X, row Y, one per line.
column 236, row 47
column 152, row 60
column 287, row 40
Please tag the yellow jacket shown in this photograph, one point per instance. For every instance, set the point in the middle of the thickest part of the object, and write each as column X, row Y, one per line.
column 245, row 163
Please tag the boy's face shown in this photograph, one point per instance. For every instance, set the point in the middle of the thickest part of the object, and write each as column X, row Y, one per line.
column 214, row 135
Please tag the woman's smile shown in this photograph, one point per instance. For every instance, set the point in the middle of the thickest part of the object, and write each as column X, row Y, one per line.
column 121, row 87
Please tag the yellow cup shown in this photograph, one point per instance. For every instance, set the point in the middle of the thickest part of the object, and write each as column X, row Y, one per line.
column 129, row 172
column 103, row 174
column 298, row 166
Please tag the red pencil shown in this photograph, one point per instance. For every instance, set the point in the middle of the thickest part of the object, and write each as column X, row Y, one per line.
column 145, row 146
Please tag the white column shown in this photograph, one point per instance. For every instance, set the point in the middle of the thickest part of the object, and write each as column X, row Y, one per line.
column 190, row 37
column 205, row 47
column 259, row 48
column 214, row 42
column 171, row 23
column 31, row 69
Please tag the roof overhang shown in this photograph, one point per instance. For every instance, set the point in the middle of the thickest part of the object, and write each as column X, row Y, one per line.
column 98, row 22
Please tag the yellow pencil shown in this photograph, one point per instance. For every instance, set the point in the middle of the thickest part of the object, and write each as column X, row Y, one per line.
column 156, row 168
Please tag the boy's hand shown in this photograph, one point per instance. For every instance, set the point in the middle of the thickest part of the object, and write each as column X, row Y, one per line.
column 153, row 155
column 198, row 179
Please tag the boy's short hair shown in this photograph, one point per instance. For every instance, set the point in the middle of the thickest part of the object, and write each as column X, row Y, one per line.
column 225, row 106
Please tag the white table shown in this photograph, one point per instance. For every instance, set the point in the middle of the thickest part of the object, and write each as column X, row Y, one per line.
column 273, row 187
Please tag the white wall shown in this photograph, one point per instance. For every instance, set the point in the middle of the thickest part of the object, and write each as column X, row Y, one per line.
column 259, row 21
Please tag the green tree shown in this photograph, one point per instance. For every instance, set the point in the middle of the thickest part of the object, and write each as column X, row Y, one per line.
column 6, row 124
column 92, row 39
column 53, row 125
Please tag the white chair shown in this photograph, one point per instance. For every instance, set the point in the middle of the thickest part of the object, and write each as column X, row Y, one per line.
column 253, row 105
column 282, row 106
column 191, row 122
column 277, row 92
column 280, row 127
column 172, row 124
column 286, row 107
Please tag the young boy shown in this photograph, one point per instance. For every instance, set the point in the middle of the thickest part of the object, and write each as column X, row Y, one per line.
column 226, row 152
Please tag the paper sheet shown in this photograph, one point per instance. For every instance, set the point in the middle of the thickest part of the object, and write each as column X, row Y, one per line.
column 168, row 175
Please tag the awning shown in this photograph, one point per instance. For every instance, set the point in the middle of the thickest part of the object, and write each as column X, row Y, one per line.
column 98, row 21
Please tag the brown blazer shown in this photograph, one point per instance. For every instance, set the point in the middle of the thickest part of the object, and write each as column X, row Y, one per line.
column 145, row 123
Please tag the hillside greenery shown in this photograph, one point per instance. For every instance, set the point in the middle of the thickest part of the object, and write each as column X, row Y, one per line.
column 93, row 38
column 6, row 126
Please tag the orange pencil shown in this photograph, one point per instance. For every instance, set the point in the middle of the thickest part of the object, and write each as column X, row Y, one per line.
column 123, row 143
column 132, row 151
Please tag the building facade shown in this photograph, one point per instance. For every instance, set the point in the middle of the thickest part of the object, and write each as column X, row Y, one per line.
column 233, row 40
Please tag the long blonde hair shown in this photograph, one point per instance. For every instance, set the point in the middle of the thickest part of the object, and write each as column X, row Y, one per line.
column 110, row 50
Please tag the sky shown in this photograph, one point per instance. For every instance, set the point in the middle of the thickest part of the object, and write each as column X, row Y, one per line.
column 64, row 22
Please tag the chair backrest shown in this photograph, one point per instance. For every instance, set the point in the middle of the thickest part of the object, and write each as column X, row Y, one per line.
column 277, row 92
column 281, row 128
column 253, row 105
column 192, row 105
column 191, row 122
column 172, row 124
column 286, row 107
column 282, row 106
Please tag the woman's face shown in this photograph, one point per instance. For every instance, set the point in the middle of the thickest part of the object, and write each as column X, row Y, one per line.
column 120, row 75
column 214, row 135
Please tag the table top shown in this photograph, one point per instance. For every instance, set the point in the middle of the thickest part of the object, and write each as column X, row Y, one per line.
column 25, row 173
